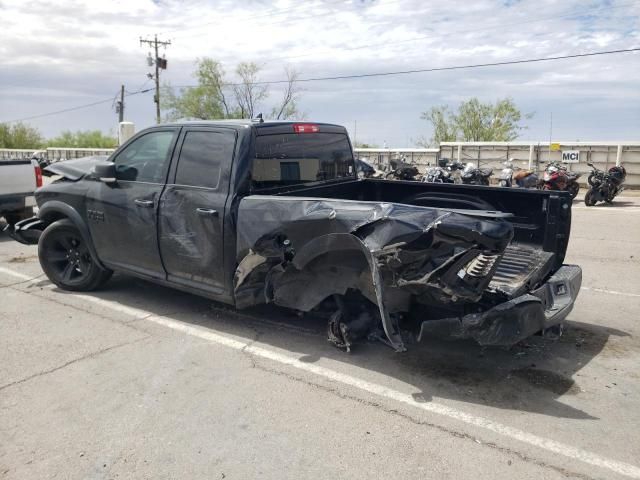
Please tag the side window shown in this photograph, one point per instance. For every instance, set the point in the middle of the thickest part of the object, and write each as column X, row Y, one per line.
column 202, row 155
column 146, row 158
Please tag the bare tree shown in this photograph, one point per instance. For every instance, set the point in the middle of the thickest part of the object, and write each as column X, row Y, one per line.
column 288, row 108
column 248, row 92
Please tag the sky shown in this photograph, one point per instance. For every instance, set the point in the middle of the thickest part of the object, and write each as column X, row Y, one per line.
column 60, row 54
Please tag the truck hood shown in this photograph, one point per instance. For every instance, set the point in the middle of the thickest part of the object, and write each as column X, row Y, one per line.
column 77, row 168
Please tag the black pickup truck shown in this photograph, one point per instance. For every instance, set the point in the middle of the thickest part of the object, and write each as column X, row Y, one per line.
column 248, row 212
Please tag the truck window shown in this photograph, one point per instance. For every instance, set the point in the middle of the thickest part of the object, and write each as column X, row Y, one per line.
column 146, row 158
column 300, row 158
column 201, row 155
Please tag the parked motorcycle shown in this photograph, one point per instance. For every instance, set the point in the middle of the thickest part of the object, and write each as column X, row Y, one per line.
column 472, row 175
column 604, row 186
column 366, row 170
column 401, row 169
column 443, row 172
column 557, row 177
column 512, row 175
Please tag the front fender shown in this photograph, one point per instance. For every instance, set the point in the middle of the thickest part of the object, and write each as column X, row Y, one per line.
column 53, row 210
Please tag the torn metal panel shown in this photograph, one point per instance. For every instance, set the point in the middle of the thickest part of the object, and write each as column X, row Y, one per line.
column 296, row 252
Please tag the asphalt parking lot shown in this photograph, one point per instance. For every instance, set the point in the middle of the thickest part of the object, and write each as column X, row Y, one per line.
column 140, row 381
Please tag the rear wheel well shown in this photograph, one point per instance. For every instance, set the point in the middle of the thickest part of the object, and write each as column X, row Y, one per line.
column 53, row 217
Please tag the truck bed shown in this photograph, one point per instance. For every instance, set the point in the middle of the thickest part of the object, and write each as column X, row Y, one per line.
column 541, row 219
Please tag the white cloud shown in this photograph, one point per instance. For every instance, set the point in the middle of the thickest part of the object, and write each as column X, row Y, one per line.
column 64, row 53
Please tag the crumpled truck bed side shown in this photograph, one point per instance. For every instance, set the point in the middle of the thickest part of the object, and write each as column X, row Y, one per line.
column 296, row 251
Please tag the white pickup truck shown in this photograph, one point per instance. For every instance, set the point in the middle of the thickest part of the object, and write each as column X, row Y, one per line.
column 18, row 180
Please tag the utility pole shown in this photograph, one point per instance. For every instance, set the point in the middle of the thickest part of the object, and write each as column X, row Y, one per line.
column 160, row 63
column 121, row 105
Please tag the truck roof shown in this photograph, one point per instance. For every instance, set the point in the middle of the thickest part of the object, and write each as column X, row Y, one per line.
column 252, row 123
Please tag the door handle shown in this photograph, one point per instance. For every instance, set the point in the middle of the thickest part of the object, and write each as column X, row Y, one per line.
column 207, row 211
column 143, row 203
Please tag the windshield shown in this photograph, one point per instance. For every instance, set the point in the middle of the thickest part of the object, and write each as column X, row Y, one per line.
column 301, row 158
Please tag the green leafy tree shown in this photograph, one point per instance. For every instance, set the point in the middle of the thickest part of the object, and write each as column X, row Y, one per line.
column 475, row 121
column 20, row 135
column 215, row 98
column 83, row 139
column 206, row 101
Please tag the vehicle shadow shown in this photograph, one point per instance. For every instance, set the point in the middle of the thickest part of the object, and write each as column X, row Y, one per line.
column 616, row 204
column 528, row 377
column 4, row 236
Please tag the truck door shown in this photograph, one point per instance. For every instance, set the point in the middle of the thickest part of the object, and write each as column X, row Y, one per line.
column 122, row 216
column 191, row 216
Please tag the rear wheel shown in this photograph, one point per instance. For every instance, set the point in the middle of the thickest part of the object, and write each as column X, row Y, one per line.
column 573, row 189
column 589, row 198
column 66, row 260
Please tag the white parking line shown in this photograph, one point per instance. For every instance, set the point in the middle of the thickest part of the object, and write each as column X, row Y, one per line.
column 610, row 292
column 246, row 345
column 609, row 209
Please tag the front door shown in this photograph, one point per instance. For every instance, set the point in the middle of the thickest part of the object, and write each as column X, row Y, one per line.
column 123, row 215
column 191, row 216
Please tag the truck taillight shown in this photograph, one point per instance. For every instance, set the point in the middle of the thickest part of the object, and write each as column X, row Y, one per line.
column 305, row 128
column 38, row 172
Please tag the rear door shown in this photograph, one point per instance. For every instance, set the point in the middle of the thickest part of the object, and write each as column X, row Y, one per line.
column 191, row 216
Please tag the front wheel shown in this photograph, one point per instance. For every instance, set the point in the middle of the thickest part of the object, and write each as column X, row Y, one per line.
column 65, row 258
column 573, row 189
column 589, row 198
column 503, row 183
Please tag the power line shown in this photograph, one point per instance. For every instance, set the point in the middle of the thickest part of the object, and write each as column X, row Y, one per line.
column 72, row 109
column 434, row 69
column 346, row 77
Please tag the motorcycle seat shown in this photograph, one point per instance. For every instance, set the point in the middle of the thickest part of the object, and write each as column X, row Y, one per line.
column 522, row 174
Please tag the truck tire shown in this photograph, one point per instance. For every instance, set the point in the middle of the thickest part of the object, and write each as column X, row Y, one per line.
column 14, row 217
column 65, row 258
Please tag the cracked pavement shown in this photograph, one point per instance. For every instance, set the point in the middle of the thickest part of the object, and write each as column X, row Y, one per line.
column 93, row 389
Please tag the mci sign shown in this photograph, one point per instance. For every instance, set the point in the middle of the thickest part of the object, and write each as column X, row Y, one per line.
column 570, row 156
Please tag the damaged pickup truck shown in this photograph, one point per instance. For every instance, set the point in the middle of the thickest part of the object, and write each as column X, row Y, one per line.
column 249, row 213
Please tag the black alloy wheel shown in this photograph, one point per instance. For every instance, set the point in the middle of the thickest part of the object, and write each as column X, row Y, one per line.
column 66, row 259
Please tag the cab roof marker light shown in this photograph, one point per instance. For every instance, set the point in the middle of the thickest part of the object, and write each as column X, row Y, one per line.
column 305, row 128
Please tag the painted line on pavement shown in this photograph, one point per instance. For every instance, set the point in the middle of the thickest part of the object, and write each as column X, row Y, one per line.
column 610, row 292
column 609, row 209
column 247, row 345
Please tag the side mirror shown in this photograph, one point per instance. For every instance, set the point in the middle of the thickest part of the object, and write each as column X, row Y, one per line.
column 590, row 164
column 105, row 172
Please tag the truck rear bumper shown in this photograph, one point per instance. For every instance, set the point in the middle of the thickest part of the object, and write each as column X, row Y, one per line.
column 510, row 322
column 16, row 202
column 26, row 231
